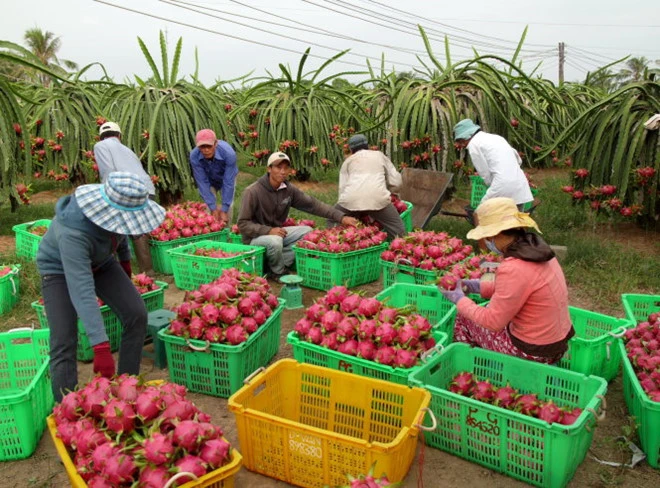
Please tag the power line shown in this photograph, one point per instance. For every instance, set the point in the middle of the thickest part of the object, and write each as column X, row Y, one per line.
column 181, row 4
column 561, row 24
column 251, row 41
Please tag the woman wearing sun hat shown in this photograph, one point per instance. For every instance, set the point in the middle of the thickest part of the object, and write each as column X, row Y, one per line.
column 76, row 263
column 528, row 311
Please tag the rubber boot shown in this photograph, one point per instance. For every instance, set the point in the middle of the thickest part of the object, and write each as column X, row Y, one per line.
column 143, row 255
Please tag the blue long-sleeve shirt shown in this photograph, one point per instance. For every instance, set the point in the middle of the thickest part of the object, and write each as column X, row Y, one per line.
column 219, row 173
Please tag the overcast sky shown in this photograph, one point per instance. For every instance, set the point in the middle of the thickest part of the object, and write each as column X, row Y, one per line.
column 227, row 37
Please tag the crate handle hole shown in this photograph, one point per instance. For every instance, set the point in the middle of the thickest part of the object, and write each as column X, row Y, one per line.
column 205, row 348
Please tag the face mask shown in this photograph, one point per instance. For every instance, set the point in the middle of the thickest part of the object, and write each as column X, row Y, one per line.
column 492, row 247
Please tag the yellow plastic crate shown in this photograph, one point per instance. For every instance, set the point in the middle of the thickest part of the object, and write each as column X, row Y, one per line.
column 220, row 478
column 311, row 426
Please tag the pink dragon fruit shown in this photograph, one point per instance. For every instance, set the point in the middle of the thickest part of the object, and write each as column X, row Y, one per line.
column 463, row 383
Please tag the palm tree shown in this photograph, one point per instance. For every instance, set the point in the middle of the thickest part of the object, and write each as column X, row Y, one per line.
column 634, row 70
column 45, row 45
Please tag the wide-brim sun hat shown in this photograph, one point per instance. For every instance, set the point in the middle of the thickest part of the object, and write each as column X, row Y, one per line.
column 498, row 214
column 120, row 205
column 465, row 129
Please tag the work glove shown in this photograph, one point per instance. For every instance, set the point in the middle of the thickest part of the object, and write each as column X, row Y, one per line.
column 104, row 363
column 126, row 265
column 454, row 295
column 472, row 286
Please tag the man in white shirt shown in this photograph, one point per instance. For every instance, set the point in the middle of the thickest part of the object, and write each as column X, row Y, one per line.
column 366, row 179
column 495, row 161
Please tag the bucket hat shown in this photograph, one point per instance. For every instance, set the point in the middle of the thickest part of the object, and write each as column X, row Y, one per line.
column 496, row 215
column 120, row 205
column 465, row 129
column 358, row 141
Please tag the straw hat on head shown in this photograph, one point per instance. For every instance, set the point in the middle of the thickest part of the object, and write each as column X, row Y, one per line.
column 120, row 205
column 496, row 215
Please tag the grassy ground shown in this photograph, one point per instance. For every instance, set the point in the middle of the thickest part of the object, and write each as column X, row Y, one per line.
column 601, row 263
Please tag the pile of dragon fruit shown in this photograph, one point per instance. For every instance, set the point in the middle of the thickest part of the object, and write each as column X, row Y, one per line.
column 369, row 480
column 469, row 385
column 123, row 431
column 186, row 220
column 214, row 253
column 227, row 310
column 342, row 239
column 38, row 230
column 643, row 348
column 427, row 250
column 364, row 327
column 289, row 222
column 470, row 268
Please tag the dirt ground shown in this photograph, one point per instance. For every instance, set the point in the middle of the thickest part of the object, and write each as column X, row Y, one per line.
column 438, row 469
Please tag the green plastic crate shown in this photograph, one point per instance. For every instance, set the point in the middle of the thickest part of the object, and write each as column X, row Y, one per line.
column 153, row 300
column 593, row 349
column 428, row 301
column 402, row 273
column 307, row 352
column 219, row 369
column 235, row 238
column 10, row 288
column 27, row 244
column 479, row 189
column 191, row 271
column 509, row 442
column 323, row 270
column 646, row 412
column 638, row 307
column 406, row 216
column 160, row 257
column 26, row 396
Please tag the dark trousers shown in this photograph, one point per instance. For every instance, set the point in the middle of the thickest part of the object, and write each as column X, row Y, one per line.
column 115, row 288
column 388, row 217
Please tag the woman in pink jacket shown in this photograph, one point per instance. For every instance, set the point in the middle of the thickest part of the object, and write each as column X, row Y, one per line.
column 528, row 311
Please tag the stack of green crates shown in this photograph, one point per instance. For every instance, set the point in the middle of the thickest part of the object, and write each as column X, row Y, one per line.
column 161, row 258
column 647, row 413
column 26, row 396
column 521, row 446
column 27, row 244
column 219, row 369
column 191, row 271
column 153, row 300
column 479, row 189
column 323, row 270
column 10, row 288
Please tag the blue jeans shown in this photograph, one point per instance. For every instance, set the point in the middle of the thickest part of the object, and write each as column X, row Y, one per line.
column 115, row 288
column 279, row 252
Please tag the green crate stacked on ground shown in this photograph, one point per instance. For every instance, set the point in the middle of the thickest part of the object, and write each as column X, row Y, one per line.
column 160, row 256
column 191, row 271
column 153, row 300
column 406, row 216
column 27, row 244
column 647, row 413
column 323, row 270
column 10, row 288
column 594, row 350
column 479, row 189
column 26, row 396
column 506, row 441
column 310, row 353
column 219, row 369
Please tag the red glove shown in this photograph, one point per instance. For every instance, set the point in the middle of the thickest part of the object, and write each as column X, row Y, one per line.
column 127, row 267
column 104, row 363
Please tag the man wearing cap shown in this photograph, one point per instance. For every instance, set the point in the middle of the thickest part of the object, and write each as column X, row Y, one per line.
column 76, row 263
column 495, row 161
column 366, row 179
column 111, row 155
column 214, row 169
column 265, row 206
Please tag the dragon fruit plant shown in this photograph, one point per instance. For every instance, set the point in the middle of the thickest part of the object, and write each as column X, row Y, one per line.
column 466, row 384
column 122, row 431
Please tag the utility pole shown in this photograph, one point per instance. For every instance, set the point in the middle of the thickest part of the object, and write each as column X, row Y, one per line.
column 562, row 58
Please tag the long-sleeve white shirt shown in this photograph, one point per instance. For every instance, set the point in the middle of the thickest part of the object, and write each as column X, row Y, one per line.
column 366, row 179
column 499, row 165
